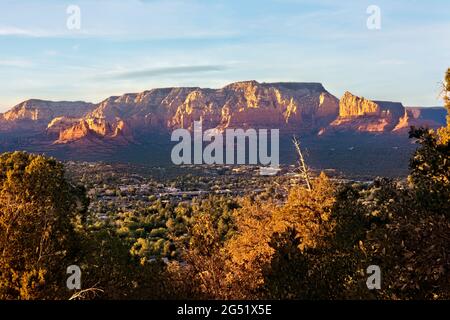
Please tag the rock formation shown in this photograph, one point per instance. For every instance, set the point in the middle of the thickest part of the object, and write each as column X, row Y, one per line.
column 360, row 114
column 300, row 108
column 290, row 107
column 35, row 115
column 432, row 117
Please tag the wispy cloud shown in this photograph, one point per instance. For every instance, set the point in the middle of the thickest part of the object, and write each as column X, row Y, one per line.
column 392, row 62
column 19, row 63
column 9, row 31
column 111, row 33
column 51, row 53
column 13, row 31
column 154, row 72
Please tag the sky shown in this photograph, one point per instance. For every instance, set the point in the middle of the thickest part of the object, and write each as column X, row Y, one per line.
column 124, row 46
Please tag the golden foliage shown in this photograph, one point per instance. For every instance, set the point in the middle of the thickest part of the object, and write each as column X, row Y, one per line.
column 444, row 133
column 307, row 211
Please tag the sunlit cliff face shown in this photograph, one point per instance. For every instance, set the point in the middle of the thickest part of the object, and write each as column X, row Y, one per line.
column 301, row 108
column 360, row 114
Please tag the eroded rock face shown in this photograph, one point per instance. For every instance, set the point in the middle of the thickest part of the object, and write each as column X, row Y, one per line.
column 35, row 115
column 59, row 124
column 95, row 128
column 291, row 107
column 46, row 110
column 360, row 114
column 285, row 106
column 354, row 106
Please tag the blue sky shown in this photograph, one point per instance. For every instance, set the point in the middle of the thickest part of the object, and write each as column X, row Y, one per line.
column 130, row 46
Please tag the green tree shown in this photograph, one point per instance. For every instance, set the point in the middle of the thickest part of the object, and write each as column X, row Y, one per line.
column 430, row 164
column 111, row 272
column 430, row 171
column 38, row 209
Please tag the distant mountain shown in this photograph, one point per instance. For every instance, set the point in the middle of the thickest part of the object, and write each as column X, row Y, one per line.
column 431, row 117
column 291, row 107
column 35, row 115
column 359, row 114
column 134, row 119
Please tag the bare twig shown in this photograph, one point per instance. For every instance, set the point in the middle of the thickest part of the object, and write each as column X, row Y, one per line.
column 303, row 167
column 83, row 293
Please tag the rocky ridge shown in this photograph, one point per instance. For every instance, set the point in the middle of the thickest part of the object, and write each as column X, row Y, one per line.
column 301, row 108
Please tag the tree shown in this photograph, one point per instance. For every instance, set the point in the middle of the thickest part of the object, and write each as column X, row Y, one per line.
column 412, row 245
column 444, row 133
column 203, row 274
column 430, row 171
column 109, row 268
column 430, row 164
column 328, row 224
column 409, row 234
column 38, row 209
column 249, row 249
column 286, row 277
column 254, row 250
column 309, row 211
column 409, row 243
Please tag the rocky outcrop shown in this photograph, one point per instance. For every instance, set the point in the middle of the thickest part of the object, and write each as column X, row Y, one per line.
column 432, row 117
column 363, row 115
column 354, row 106
column 35, row 115
column 60, row 124
column 95, row 128
column 40, row 110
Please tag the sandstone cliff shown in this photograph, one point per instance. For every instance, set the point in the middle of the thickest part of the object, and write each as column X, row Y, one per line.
column 37, row 114
column 290, row 107
column 301, row 108
column 363, row 115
